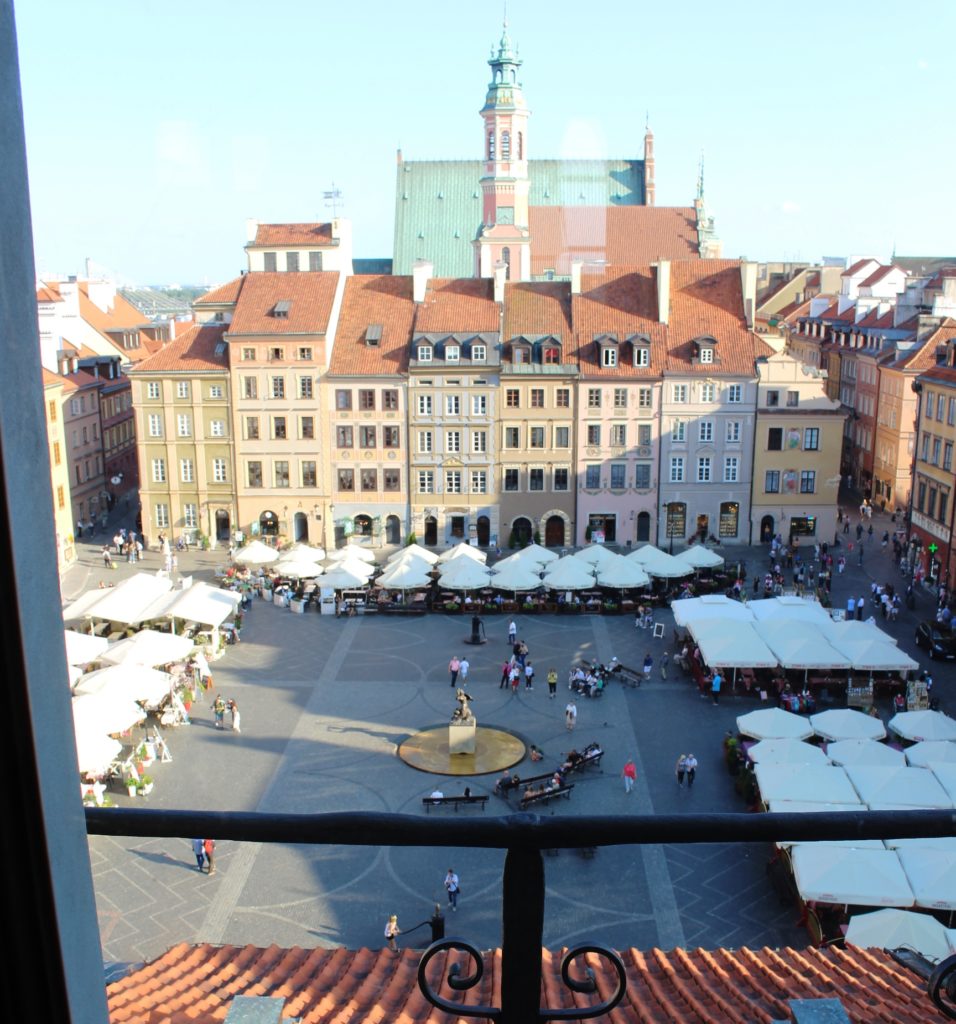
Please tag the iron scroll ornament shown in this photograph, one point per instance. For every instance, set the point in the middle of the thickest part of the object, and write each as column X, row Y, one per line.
column 461, row 984
column 943, row 982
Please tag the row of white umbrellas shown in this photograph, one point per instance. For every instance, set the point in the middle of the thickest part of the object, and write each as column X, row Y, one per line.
column 845, row 723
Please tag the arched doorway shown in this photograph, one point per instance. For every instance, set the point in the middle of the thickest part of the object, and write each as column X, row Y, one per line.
column 554, row 532
column 300, row 528
column 393, row 530
column 363, row 526
column 268, row 524
column 222, row 525
column 431, row 531
column 522, row 531
column 643, row 526
column 766, row 529
column 483, row 531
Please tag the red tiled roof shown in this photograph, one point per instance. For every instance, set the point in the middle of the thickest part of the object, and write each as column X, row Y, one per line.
column 458, row 305
column 50, row 380
column 47, row 294
column 310, row 295
column 380, row 300
column 857, row 267
column 940, row 374
column 122, row 315
column 615, row 234
column 225, row 295
column 743, row 986
column 878, row 275
column 538, row 307
column 293, row 234
column 194, row 350
column 876, row 319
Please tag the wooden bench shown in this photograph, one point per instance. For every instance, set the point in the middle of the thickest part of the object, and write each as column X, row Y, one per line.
column 527, row 799
column 437, row 801
column 592, row 759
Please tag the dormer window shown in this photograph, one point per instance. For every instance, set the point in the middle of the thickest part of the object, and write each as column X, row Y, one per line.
column 520, row 354
column 373, row 335
column 608, row 355
column 281, row 309
column 706, row 355
column 642, row 355
column 478, row 353
column 705, row 349
column 550, row 355
column 424, row 353
column 452, row 354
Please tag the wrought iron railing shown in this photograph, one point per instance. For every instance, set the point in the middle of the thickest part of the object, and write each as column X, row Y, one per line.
column 524, row 837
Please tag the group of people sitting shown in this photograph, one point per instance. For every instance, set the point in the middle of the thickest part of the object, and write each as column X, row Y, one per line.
column 587, row 682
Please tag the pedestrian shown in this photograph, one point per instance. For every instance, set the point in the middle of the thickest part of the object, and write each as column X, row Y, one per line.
column 665, row 661
column 846, row 525
column 209, row 849
column 219, row 710
column 454, row 667
column 691, row 767
column 648, row 665
column 552, row 682
column 391, row 930
column 512, row 632
column 515, row 677
column 452, row 888
column 200, row 854
column 505, row 675
column 850, row 607
column 886, row 539
column 529, row 676
column 233, row 708
column 869, row 533
column 107, row 557
column 570, row 715
column 463, row 670
column 629, row 774
column 715, row 687
column 681, row 769
column 859, row 608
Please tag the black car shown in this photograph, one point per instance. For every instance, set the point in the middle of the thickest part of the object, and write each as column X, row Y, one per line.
column 939, row 641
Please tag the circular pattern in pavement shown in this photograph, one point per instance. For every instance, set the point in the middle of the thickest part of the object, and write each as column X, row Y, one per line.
column 495, row 750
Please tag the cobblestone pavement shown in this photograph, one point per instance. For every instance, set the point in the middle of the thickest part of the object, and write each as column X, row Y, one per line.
column 325, row 703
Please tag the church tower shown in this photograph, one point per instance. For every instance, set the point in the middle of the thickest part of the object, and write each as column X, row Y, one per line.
column 649, row 186
column 504, row 236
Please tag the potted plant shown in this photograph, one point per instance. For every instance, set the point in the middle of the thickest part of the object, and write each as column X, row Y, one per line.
column 145, row 785
column 411, row 539
column 131, row 786
column 611, row 608
column 528, row 606
column 587, row 533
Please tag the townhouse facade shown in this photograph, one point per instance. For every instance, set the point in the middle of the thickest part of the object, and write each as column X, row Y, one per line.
column 59, row 470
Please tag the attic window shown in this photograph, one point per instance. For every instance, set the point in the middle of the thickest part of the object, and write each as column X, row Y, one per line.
column 706, row 355
column 424, row 353
column 373, row 335
column 220, row 348
column 281, row 309
column 479, row 353
column 520, row 354
column 608, row 355
column 642, row 355
column 452, row 354
column 550, row 355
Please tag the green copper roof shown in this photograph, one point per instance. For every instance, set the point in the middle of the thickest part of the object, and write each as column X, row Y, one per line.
column 438, row 203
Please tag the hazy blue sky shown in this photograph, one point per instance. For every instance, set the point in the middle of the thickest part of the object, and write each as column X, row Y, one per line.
column 156, row 127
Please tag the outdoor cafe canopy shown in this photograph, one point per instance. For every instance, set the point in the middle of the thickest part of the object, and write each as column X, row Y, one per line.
column 700, row 557
column 732, row 645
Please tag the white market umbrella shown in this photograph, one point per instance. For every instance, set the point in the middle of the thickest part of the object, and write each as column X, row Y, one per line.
column 923, row 725
column 688, row 610
column 305, row 551
column 129, row 601
column 341, row 579
column 411, row 574
column 74, row 673
column 864, row 752
column 298, row 567
column 667, row 567
column 105, row 715
column 569, row 573
column 255, row 553
column 893, row 929
column 622, row 574
column 922, row 755
column 516, row 577
column 514, row 559
column 803, row 782
column 462, row 550
column 875, row 656
column 774, row 723
column 537, row 553
column 790, row 609
column 469, row 576
column 898, row 787
column 854, row 630
column 700, row 557
column 129, row 682
column 351, row 551
column 355, row 566
column 148, row 647
column 95, row 751
column 81, row 648
column 595, row 554
column 414, row 549
column 945, row 773
column 932, row 876
column 786, row 752
column 800, row 648
column 79, row 609
column 732, row 645
column 847, row 724
column 209, row 606
column 865, row 877
column 644, row 554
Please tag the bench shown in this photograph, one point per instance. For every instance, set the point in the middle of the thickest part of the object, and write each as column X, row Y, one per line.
column 527, row 799
column 589, row 760
column 437, row 801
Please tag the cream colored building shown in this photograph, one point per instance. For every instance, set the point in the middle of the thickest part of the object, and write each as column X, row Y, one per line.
column 59, row 470
column 796, row 469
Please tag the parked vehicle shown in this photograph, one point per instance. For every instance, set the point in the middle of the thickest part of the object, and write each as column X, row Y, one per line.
column 938, row 641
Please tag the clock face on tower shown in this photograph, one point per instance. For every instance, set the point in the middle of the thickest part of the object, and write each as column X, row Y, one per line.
column 506, row 215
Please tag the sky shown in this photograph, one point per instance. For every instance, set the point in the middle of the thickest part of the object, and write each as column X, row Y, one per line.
column 156, row 128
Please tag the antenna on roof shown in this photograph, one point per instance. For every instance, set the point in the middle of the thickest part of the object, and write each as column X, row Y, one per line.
column 333, row 199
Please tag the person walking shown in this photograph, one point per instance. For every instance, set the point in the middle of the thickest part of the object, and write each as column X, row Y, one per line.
column 552, row 683
column 209, row 849
column 454, row 667
column 528, row 675
column 512, row 632
column 391, row 930
column 681, row 769
column 860, row 604
column 648, row 665
column 665, row 661
column 233, row 709
column 219, row 710
column 505, row 675
column 453, row 888
column 107, row 557
column 850, row 607
column 514, row 675
column 200, row 854
column 629, row 774
column 715, row 687
column 570, row 715
column 463, row 667
column 691, row 766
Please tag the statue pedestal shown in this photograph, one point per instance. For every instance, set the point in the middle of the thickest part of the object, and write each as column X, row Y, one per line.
column 462, row 737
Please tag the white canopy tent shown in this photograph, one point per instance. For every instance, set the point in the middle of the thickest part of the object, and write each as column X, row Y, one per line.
column 356, row 566
column 689, row 610
column 95, row 751
column 786, row 752
column 790, row 609
column 126, row 682
column 414, row 549
column 78, row 610
column 408, row 574
column 298, row 567
column 932, row 876
column 923, row 725
column 644, row 554
column 569, row 573
column 81, row 648
column 467, row 575
column 864, row 752
column 536, row 553
column 864, row 877
column 847, row 724
column 148, row 647
column 798, row 645
column 875, row 656
column 105, row 715
column 463, row 550
column 930, row 752
column 516, row 577
column 255, row 553
column 595, row 555
column 666, row 567
column 883, row 788
column 341, row 578
column 302, row 550
column 804, row 782
column 855, row 630
column 350, row 551
column 945, row 773
column 775, row 723
column 622, row 574
column 700, row 557
column 127, row 603
column 732, row 645
column 892, row 929
column 204, row 604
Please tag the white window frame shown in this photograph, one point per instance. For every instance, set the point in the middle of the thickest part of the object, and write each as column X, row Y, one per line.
column 677, row 469
column 154, row 425
column 479, row 405
column 186, row 474
column 424, row 442
column 161, row 514
column 215, row 391
column 705, row 472
column 706, row 355
column 426, row 481
column 452, row 405
column 182, row 389
column 679, row 394
column 453, row 441
column 479, row 481
column 609, row 356
column 190, row 516
column 184, row 427
column 453, row 481
column 453, row 354
column 678, row 432
column 424, row 405
column 217, row 428
column 731, row 469
column 733, row 432
column 219, row 471
column 735, row 394
column 424, row 353
column 479, row 442
column 708, row 392
column 479, row 353
column 705, row 431
column 158, row 467
column 152, row 389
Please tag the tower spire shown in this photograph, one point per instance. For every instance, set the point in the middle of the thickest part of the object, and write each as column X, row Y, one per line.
column 700, row 178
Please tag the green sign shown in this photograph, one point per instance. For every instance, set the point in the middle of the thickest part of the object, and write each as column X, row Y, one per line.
column 933, row 548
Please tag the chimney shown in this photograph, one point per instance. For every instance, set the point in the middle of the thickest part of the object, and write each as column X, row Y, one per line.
column 421, row 272
column 172, row 328
column 501, row 275
column 663, row 290
column 252, row 229
column 748, row 284
column 576, row 276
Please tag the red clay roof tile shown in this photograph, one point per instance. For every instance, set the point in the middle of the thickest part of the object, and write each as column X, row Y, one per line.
column 310, row 295
column 458, row 305
column 225, row 294
column 380, row 300
column 538, row 307
column 293, row 234
column 877, row 276
column 194, row 350
column 857, row 267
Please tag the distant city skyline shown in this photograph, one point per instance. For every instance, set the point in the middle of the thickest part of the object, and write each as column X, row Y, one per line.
column 154, row 131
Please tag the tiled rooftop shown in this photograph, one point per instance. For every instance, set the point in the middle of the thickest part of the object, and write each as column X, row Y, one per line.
column 294, row 234
column 743, row 986
column 924, row 357
column 878, row 276
column 225, row 294
column 458, row 305
column 538, row 307
column 309, row 293
column 857, row 267
column 194, row 350
column 379, row 300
